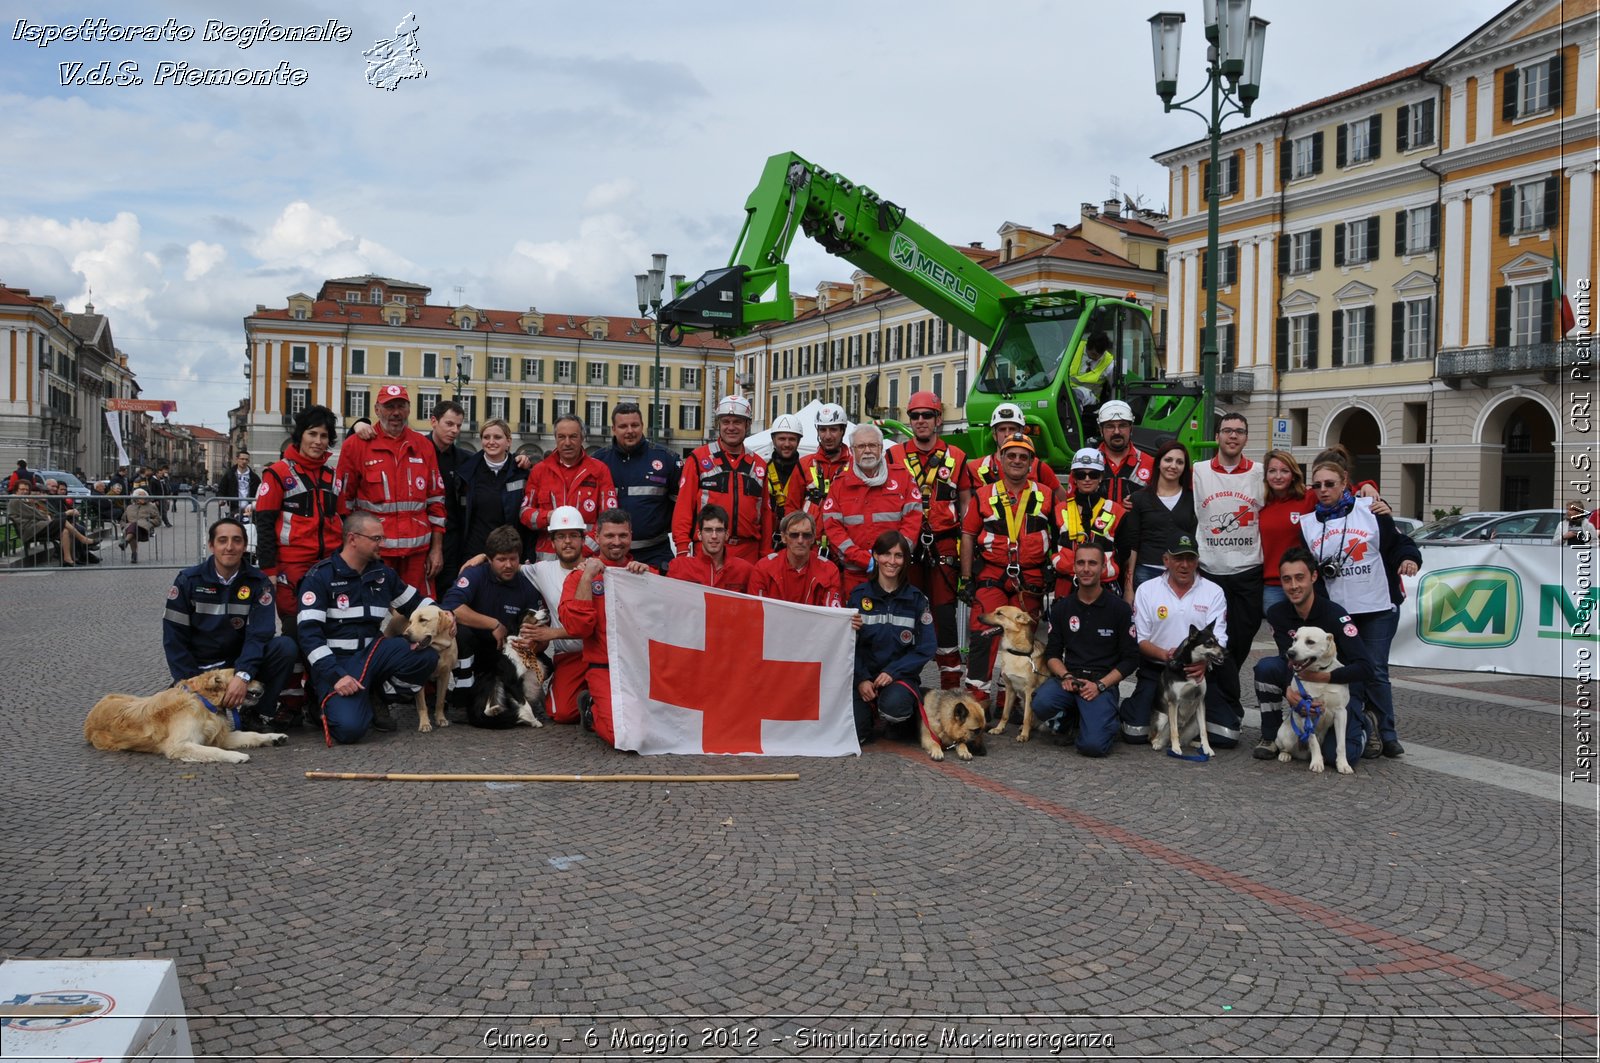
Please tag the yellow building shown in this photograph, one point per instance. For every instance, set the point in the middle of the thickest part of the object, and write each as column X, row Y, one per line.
column 869, row 349
column 358, row 333
column 1386, row 259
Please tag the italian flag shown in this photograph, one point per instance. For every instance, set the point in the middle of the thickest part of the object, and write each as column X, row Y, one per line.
column 1568, row 320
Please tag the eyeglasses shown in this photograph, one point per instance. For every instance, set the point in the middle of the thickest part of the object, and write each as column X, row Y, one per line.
column 364, row 535
column 799, row 535
column 1233, row 431
column 922, row 415
column 1327, row 484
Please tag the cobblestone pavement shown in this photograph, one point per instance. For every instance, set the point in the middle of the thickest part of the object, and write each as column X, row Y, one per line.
column 885, row 906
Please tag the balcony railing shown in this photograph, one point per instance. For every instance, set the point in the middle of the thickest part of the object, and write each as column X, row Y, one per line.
column 1236, row 383
column 1487, row 361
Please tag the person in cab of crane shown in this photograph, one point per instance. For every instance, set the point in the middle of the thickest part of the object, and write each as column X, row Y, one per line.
column 725, row 472
column 1087, row 516
column 1006, row 539
column 939, row 470
column 808, row 488
column 781, row 468
column 1128, row 469
column 866, row 500
column 1007, row 422
column 1090, row 370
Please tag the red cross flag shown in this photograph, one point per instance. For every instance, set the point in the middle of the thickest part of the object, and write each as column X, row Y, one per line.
column 697, row 670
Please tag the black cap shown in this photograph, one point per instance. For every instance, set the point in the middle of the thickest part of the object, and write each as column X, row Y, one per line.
column 1182, row 544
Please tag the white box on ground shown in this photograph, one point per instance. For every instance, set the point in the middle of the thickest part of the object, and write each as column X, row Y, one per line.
column 124, row 1010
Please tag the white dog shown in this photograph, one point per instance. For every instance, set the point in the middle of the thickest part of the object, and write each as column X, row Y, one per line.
column 1314, row 649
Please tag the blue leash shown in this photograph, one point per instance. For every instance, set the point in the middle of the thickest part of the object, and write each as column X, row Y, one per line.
column 1198, row 758
column 1311, row 717
column 233, row 714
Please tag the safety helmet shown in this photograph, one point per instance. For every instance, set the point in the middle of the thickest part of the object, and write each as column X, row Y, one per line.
column 1089, row 458
column 787, row 422
column 1006, row 413
column 924, row 400
column 1019, row 440
column 566, row 518
column 831, row 414
column 1115, row 410
column 735, row 405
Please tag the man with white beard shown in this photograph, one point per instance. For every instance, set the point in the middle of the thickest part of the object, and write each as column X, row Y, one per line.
column 866, row 500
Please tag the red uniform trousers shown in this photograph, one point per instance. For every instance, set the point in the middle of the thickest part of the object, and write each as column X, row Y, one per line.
column 410, row 569
column 980, row 656
column 292, row 701
column 938, row 582
column 599, row 680
column 570, row 675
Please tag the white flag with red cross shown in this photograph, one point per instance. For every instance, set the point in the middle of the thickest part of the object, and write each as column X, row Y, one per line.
column 697, row 670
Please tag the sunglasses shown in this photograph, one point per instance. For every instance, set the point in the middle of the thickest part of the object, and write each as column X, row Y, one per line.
column 922, row 415
column 1321, row 484
column 799, row 535
column 1085, row 474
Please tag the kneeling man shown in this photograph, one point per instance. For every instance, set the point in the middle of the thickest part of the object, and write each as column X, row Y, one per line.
column 1091, row 649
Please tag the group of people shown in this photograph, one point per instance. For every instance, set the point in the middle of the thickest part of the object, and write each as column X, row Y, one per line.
column 1133, row 549
column 42, row 511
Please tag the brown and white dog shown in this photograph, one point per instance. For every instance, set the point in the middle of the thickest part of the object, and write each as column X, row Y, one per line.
column 176, row 723
column 1019, row 662
column 1313, row 649
column 431, row 627
column 951, row 718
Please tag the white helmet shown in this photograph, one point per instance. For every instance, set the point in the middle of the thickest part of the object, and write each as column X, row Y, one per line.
column 1006, row 413
column 1115, row 410
column 1089, row 458
column 736, row 405
column 566, row 518
column 831, row 414
column 787, row 422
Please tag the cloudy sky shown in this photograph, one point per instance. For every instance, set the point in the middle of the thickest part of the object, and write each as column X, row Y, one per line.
column 553, row 147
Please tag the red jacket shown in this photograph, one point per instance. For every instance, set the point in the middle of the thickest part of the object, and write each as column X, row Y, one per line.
column 940, row 475
column 585, row 486
column 296, row 513
column 815, row 584
column 1035, row 532
column 1137, row 471
column 740, row 487
column 1105, row 518
column 855, row 515
column 587, row 620
column 399, row 481
column 812, row 478
column 734, row 575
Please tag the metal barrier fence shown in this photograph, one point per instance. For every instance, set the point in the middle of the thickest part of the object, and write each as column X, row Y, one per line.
column 94, row 532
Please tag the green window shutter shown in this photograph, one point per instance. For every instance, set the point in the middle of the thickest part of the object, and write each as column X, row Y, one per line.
column 1502, row 316
column 1369, row 338
column 1402, row 127
column 1552, row 201
column 1375, row 135
column 1399, row 233
column 1316, row 152
column 1340, row 151
column 1397, row 332
column 1555, row 81
column 1283, row 344
column 1338, row 244
column 1508, row 209
column 1338, row 338
column 1508, row 96
column 1372, row 238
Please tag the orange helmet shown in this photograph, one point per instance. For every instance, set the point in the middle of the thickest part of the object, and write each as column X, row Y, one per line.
column 924, row 400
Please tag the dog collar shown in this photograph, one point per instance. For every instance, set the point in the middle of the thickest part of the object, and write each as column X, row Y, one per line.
column 233, row 714
column 1019, row 653
column 1310, row 716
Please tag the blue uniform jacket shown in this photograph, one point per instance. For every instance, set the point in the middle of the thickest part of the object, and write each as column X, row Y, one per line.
column 477, row 589
column 343, row 611
column 210, row 623
column 512, row 482
column 896, row 635
column 646, row 479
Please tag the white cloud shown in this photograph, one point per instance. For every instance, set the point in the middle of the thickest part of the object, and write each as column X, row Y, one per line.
column 203, row 258
column 305, row 238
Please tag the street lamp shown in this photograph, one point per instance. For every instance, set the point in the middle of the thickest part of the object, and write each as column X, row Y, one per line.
column 648, row 287
column 1233, row 75
column 462, row 377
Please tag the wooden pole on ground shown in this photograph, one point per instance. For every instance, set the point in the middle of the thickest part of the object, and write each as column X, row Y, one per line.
column 395, row 776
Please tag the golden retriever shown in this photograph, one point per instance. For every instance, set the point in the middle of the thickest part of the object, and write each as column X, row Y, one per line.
column 955, row 719
column 428, row 628
column 176, row 723
column 1020, row 663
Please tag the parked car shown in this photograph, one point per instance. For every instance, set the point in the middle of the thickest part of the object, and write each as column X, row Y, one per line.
column 76, row 488
column 1407, row 525
column 1453, row 525
column 1528, row 526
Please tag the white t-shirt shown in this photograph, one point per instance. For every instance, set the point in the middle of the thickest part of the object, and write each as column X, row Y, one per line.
column 1228, row 505
column 1162, row 617
column 550, row 578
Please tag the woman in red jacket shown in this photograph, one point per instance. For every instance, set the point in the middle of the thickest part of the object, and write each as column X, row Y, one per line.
column 1280, row 518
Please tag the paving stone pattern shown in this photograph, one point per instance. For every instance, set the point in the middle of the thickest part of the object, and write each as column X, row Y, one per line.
column 884, row 906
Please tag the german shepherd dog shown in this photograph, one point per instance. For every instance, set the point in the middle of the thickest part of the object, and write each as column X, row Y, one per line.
column 1182, row 711
column 522, row 674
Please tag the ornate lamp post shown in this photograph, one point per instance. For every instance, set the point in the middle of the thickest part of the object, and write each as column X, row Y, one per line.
column 462, row 377
column 1233, row 76
column 649, row 286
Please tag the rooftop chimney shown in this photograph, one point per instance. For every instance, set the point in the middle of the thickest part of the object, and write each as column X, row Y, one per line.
column 1113, row 207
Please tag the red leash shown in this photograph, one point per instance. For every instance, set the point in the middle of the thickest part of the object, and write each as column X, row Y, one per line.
column 327, row 735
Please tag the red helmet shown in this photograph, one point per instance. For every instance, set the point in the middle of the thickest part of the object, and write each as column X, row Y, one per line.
column 924, row 400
